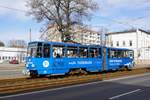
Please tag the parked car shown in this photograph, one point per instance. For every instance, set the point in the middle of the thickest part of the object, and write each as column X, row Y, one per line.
column 14, row 62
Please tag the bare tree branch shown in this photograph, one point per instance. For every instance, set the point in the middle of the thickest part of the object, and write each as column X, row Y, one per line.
column 62, row 13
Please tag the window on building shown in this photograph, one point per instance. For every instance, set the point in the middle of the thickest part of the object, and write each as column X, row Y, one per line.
column 112, row 44
column 117, row 43
column 123, row 43
column 130, row 43
column 86, row 35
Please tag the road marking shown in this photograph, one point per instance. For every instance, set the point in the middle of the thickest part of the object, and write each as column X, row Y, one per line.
column 66, row 87
column 120, row 95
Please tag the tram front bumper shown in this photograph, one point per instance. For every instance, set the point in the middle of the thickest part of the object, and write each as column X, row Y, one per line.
column 26, row 72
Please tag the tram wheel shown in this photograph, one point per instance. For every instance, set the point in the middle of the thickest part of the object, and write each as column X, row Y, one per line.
column 33, row 74
column 78, row 72
column 128, row 68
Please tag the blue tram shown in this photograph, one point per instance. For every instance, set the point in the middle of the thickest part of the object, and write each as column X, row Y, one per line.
column 51, row 58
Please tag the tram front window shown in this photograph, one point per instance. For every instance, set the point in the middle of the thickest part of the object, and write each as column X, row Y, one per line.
column 39, row 50
column 35, row 50
column 32, row 50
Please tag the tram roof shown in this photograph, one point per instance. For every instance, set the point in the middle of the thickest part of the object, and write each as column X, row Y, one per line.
column 63, row 43
column 75, row 44
column 119, row 48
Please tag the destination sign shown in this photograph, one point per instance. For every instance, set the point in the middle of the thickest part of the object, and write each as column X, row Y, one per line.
column 80, row 62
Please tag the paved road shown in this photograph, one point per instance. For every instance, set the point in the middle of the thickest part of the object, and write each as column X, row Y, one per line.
column 131, row 88
column 11, row 71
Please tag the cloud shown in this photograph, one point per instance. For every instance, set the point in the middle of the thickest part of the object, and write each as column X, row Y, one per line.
column 114, row 7
column 17, row 4
column 19, row 35
column 125, row 13
column 128, row 3
column 15, row 24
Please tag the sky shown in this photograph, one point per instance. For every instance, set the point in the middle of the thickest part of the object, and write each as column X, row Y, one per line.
column 113, row 15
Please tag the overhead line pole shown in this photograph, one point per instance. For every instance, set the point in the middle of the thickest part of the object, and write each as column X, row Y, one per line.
column 30, row 35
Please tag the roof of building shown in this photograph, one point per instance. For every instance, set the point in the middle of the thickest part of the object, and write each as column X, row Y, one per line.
column 13, row 49
column 128, row 31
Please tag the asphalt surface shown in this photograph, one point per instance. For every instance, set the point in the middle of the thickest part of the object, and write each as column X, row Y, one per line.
column 131, row 88
column 8, row 71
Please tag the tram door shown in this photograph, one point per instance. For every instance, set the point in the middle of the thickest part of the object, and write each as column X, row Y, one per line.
column 46, row 55
column 58, row 53
column 104, row 60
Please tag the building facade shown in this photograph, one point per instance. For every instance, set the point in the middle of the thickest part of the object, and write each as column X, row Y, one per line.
column 80, row 35
column 136, row 39
column 88, row 38
column 8, row 54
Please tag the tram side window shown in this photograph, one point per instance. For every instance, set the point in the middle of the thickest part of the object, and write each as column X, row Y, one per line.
column 131, row 54
column 83, row 52
column 125, row 54
column 111, row 53
column 118, row 54
column 93, row 52
column 46, row 50
column 122, row 54
column 100, row 53
column 72, row 52
column 58, row 51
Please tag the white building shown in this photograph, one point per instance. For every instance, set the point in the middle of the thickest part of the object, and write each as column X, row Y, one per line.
column 89, row 37
column 81, row 35
column 8, row 54
column 136, row 39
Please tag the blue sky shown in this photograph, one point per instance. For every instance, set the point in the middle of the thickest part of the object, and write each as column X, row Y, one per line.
column 113, row 14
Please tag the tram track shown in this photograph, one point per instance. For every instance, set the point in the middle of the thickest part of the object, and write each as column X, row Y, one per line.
column 26, row 84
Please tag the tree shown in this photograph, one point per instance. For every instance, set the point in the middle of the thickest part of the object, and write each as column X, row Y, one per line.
column 2, row 44
column 63, row 13
column 17, row 43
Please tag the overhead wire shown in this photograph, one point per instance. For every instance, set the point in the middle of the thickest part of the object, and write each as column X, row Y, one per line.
column 14, row 9
column 110, row 19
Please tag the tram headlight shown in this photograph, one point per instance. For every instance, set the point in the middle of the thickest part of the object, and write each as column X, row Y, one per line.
column 27, row 65
column 33, row 65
